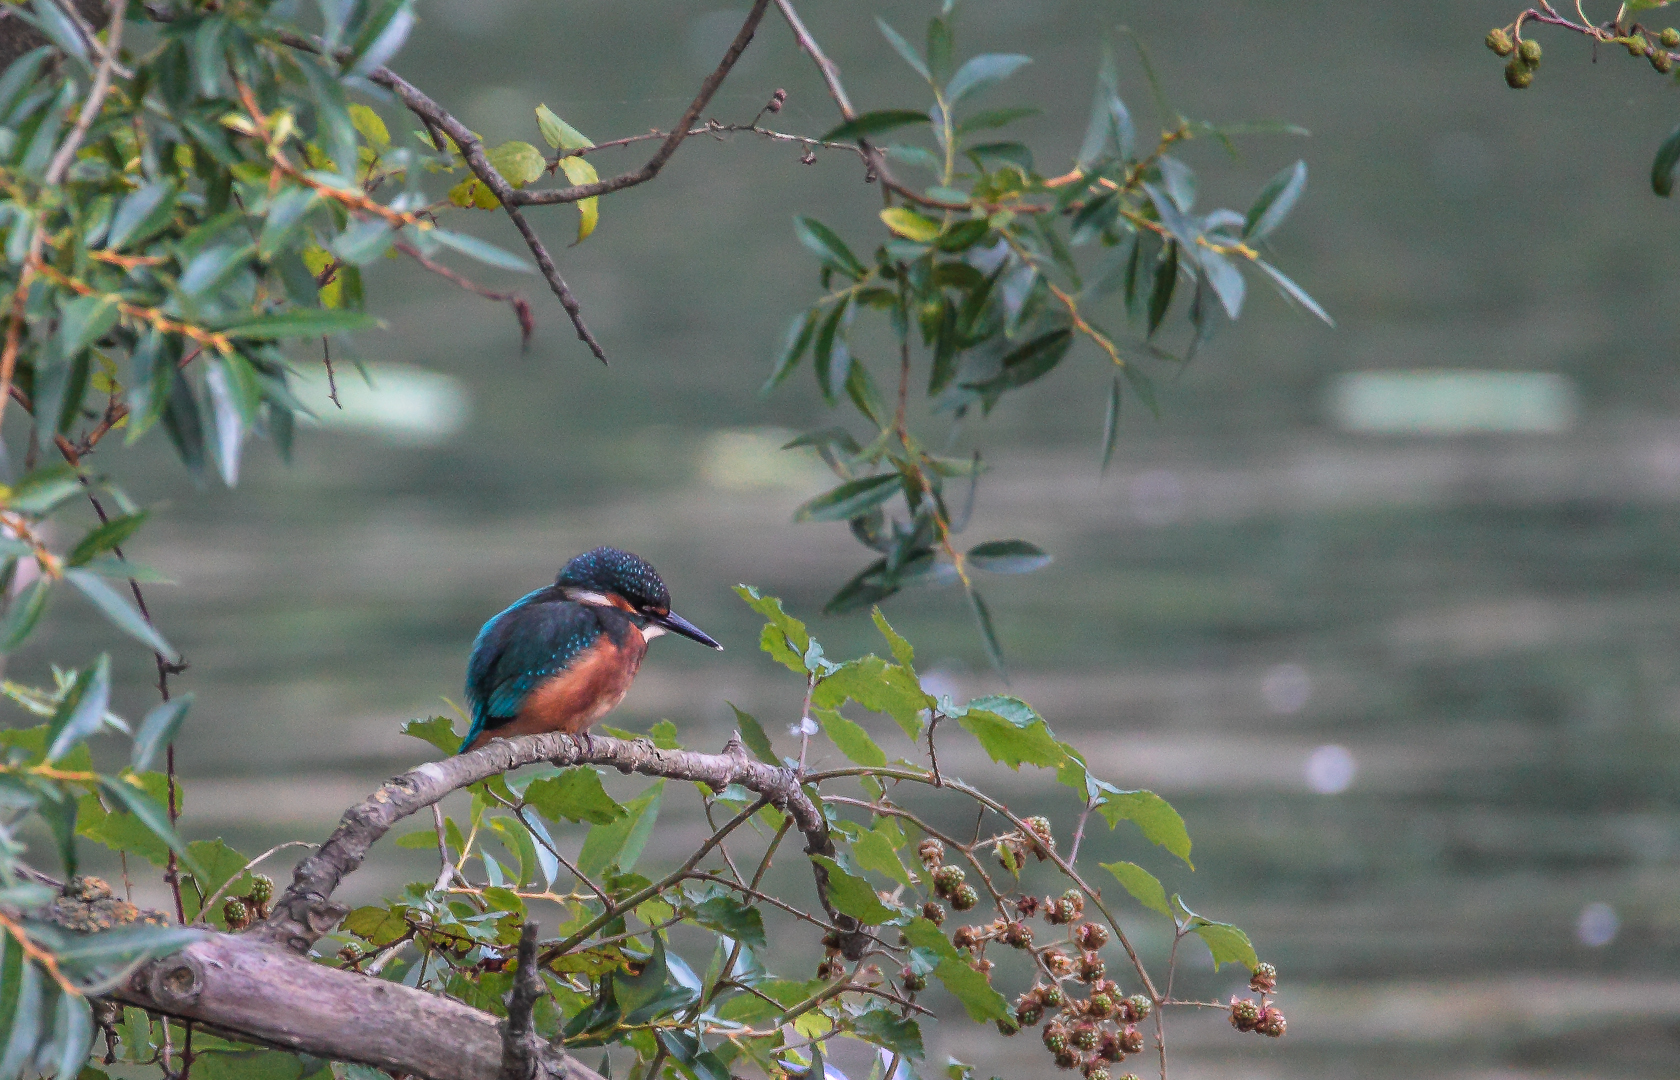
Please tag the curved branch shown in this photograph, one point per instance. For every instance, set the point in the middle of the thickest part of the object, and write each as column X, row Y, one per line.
column 306, row 910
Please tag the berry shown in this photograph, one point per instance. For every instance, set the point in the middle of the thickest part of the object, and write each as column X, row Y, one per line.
column 1026, row 906
column 982, row 965
column 1028, row 1013
column 1518, row 75
column 1051, row 996
column 1141, row 1006
column 1670, row 38
column 1091, row 935
column 966, row 937
column 262, row 888
column 933, row 913
column 1055, row 1037
column 1093, row 1071
column 1075, row 898
column 912, row 981
column 1058, row 963
column 776, row 101
column 1018, row 935
column 946, row 879
column 1636, row 45
column 1041, row 838
column 1090, row 967
column 1499, row 41
column 1131, row 1040
column 1264, row 980
column 1100, row 1006
column 237, row 915
column 1662, row 61
column 1530, row 52
column 1271, row 1022
column 831, row 940
column 964, row 897
column 1006, row 1026
column 1085, row 1036
column 1067, row 1059
column 931, row 852
column 1109, row 1048
column 1245, row 1014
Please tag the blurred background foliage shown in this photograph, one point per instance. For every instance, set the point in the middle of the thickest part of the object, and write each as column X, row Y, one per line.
column 1482, row 622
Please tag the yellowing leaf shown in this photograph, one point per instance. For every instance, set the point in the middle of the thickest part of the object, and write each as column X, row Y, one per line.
column 472, row 192
column 579, row 171
column 518, row 162
column 317, row 259
column 372, row 128
column 910, row 225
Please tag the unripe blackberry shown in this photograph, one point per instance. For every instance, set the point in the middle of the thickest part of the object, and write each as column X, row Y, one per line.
column 1109, row 1048
column 1028, row 1013
column 237, row 915
column 1636, row 45
column 933, row 913
column 1076, row 899
column 1058, row 912
column 1041, row 838
column 1662, row 61
column 1670, row 38
column 1271, row 1022
column 1141, row 1006
column 830, row 969
column 1094, row 1071
column 1050, row 995
column 1007, row 1027
column 946, row 879
column 966, row 937
column 1026, row 906
column 262, row 888
column 350, row 953
column 1085, row 1036
column 1129, row 1076
column 776, row 101
column 1100, row 1006
column 1518, row 75
column 1245, row 1014
column 1018, row 935
column 1264, row 980
column 1499, row 41
column 1058, row 963
column 964, row 897
column 1067, row 1059
column 982, row 965
column 1091, row 935
column 1055, row 1037
column 1107, row 986
column 1131, row 1040
column 931, row 852
column 1090, row 967
column 912, row 981
column 1529, row 51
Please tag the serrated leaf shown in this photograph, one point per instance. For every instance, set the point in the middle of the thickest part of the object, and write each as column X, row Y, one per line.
column 575, row 795
column 1283, row 191
column 771, row 609
column 901, row 649
column 753, row 736
column 853, row 895
column 123, row 615
column 1226, row 943
column 1011, row 736
column 1144, row 886
column 872, row 850
column 437, row 730
column 158, row 730
column 900, row 1034
column 1159, row 822
column 729, row 916
column 851, row 739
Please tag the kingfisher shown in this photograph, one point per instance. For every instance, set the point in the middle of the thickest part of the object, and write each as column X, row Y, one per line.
column 562, row 657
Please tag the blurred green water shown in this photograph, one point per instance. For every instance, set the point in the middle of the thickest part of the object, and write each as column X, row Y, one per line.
column 1485, row 623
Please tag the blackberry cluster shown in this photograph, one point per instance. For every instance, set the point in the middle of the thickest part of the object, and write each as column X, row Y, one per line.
column 1088, row 1034
column 1259, row 1016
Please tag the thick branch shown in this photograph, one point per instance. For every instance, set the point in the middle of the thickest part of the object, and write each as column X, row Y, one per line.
column 679, row 130
column 521, row 1049
column 306, row 910
column 256, row 993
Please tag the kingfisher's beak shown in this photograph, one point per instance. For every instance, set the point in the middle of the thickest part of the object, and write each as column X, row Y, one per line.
column 679, row 625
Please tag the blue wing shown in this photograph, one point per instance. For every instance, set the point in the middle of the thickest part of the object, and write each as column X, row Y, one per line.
column 518, row 649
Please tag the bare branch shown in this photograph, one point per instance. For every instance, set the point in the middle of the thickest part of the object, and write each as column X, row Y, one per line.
column 521, row 1049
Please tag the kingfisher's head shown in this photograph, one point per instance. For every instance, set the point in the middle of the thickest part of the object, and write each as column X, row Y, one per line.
column 608, row 577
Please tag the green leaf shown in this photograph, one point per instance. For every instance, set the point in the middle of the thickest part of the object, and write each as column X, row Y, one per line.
column 81, row 712
column 634, row 991
column 1283, row 191
column 995, row 118
column 1011, row 732
column 901, row 650
column 43, row 490
column 771, row 608
column 559, row 134
column 1008, row 557
column 156, row 820
column 1293, row 291
column 1111, row 425
column 852, row 740
column 981, row 1000
column 302, row 322
column 873, row 850
column 827, row 246
column 1029, row 361
column 24, row 612
column 727, row 915
column 370, row 125
column 752, row 734
column 901, row 1035
column 1225, row 942
column 913, row 226
column 121, row 831
column 221, row 864
column 22, row 1027
column 879, row 687
column 1144, row 886
column 518, row 162
column 904, row 49
column 799, row 336
column 873, row 123
column 110, row 535
column 158, row 730
column 576, row 795
column 474, row 248
column 981, row 73
column 1227, row 281
column 379, row 926
column 437, row 730
column 939, row 50
column 143, row 212
column 1152, row 814
column 84, row 321
column 1161, row 289
column 123, row 615
column 853, row 895
column 851, row 499
column 988, row 635
column 620, row 843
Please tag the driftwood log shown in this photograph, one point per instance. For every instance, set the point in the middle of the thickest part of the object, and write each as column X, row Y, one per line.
column 261, row 986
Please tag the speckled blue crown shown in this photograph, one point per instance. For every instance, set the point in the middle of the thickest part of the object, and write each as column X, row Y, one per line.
column 608, row 569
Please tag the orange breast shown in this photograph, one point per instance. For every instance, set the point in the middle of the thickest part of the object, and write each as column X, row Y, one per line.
column 574, row 699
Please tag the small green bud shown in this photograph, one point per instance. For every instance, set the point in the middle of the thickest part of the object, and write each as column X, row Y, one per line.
column 1529, row 51
column 1499, row 41
column 1636, row 45
column 964, row 897
column 1518, row 75
column 1662, row 60
column 1670, row 38
column 1141, row 1006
